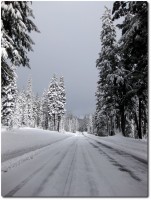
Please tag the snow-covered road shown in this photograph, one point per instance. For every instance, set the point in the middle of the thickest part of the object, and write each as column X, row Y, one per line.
column 76, row 165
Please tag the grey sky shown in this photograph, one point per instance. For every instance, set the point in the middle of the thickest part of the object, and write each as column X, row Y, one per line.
column 68, row 45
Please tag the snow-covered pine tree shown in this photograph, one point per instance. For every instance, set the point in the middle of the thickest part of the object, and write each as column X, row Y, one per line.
column 29, row 105
column 44, row 117
column 36, row 110
column 16, row 24
column 23, row 100
column 100, row 113
column 66, row 122
column 61, row 102
column 17, row 115
column 8, row 101
column 133, row 48
column 106, row 64
column 71, row 123
column 62, row 124
column 90, row 124
column 77, row 124
column 41, row 113
column 53, row 100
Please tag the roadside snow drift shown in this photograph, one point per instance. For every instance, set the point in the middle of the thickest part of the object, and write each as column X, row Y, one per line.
column 136, row 147
column 20, row 141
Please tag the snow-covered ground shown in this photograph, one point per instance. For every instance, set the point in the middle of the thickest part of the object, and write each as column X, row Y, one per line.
column 44, row 163
column 20, row 141
column 136, row 147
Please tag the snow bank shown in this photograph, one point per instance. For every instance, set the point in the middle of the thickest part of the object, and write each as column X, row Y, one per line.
column 135, row 147
column 17, row 142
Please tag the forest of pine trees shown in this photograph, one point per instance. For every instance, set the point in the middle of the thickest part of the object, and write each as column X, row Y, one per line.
column 122, row 97
column 26, row 109
column 122, row 87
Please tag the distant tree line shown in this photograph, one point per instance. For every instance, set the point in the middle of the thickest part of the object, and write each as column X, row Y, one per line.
column 23, row 108
column 122, row 88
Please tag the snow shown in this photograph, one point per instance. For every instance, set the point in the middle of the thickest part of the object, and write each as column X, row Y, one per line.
column 19, row 141
column 22, row 25
column 16, row 55
column 135, row 147
column 4, row 6
column 18, row 15
column 4, row 53
column 40, row 163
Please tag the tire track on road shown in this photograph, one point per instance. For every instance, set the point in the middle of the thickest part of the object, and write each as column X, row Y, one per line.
column 66, row 190
column 115, row 162
column 26, row 180
column 120, row 152
column 92, row 184
column 53, row 170
column 20, row 185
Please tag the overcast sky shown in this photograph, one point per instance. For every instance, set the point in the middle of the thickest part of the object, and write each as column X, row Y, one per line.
column 68, row 46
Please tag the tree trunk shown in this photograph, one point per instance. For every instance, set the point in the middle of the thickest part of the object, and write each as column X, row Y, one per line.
column 54, row 122
column 140, row 120
column 107, row 125
column 118, row 122
column 144, row 130
column 145, row 123
column 58, row 128
column 136, row 121
column 123, row 119
column 111, row 125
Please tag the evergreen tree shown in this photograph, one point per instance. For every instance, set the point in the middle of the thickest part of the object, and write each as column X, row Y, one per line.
column 29, row 105
column 23, row 100
column 16, row 24
column 8, row 101
column 71, row 123
column 90, row 124
column 20, row 111
column 133, row 48
column 36, row 110
column 17, row 116
column 53, row 99
column 56, row 101
column 34, row 107
column 61, row 101
column 106, row 64
column 44, row 117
